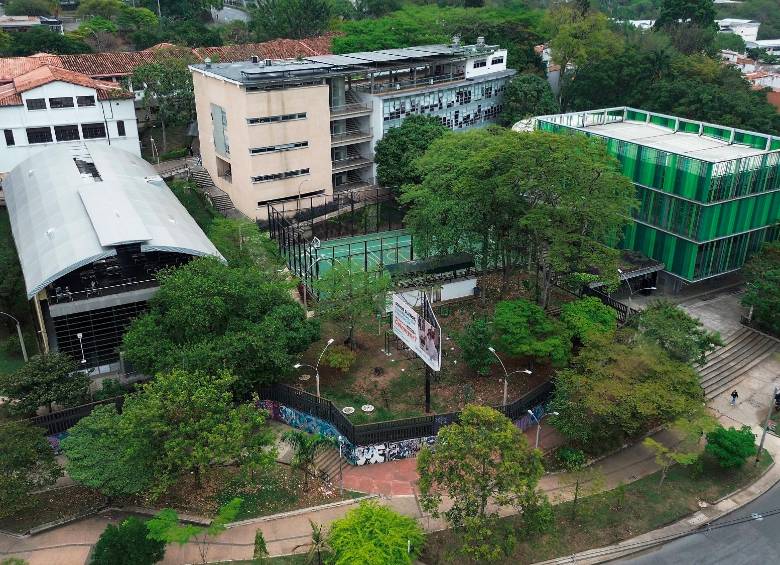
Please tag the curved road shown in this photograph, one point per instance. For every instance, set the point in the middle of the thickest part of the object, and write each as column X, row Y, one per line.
column 229, row 14
column 755, row 542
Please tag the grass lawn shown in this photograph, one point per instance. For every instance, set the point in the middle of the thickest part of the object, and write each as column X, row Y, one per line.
column 53, row 505
column 615, row 515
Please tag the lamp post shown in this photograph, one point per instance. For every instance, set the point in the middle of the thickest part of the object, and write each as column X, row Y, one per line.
column 539, row 424
column 506, row 375
column 631, row 292
column 19, row 333
column 341, row 467
column 316, row 367
column 300, row 184
column 81, row 345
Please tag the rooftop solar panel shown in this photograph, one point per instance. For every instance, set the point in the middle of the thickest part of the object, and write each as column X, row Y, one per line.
column 375, row 56
column 335, row 60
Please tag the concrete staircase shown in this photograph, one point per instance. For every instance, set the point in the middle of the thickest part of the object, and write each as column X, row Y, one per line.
column 741, row 351
column 218, row 197
column 327, row 464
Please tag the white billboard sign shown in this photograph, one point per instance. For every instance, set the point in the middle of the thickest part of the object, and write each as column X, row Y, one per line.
column 421, row 336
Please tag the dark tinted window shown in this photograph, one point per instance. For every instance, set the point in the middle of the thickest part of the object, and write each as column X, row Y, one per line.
column 36, row 103
column 9, row 137
column 93, row 131
column 39, row 135
column 120, row 127
column 66, row 133
column 64, row 102
column 85, row 100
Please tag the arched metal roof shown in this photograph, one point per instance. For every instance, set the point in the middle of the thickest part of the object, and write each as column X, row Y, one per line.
column 70, row 206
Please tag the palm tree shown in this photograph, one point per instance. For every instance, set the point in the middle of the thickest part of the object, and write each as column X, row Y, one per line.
column 317, row 545
column 305, row 448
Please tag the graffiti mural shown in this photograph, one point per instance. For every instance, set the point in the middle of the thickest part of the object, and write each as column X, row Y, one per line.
column 367, row 454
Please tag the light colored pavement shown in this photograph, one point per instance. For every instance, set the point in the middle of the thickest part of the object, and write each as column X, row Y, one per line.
column 229, row 14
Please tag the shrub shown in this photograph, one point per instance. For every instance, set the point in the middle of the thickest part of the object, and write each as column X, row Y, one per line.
column 731, row 447
column 570, row 458
column 473, row 343
column 340, row 357
column 174, row 154
column 588, row 317
column 109, row 388
column 127, row 544
column 375, row 534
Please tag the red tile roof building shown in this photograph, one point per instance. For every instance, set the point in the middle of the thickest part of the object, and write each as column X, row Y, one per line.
column 10, row 93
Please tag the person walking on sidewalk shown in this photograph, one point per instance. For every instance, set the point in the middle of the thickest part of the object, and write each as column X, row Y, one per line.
column 734, row 396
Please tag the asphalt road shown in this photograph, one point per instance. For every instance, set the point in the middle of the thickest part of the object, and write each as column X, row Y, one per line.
column 228, row 14
column 755, row 542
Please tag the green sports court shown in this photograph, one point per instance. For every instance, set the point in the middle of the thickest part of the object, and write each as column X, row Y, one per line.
column 364, row 251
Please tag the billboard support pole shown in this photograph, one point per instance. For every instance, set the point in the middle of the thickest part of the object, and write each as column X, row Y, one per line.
column 428, row 372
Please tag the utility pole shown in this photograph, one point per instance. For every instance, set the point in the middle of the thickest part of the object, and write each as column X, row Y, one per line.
column 766, row 425
column 428, row 372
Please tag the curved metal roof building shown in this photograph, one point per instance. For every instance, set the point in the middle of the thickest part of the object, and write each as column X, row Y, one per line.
column 70, row 207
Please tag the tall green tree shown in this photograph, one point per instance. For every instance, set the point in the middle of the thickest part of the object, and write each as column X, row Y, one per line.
column 374, row 534
column 616, row 390
column 731, row 447
column 44, row 381
column 295, row 19
column 210, row 317
column 397, row 150
column 189, row 422
column 13, row 297
column 762, row 296
column 168, row 91
column 26, row 464
column 525, row 96
column 689, row 13
column 482, row 458
column 474, row 342
column 588, row 317
column 42, row 40
column 351, row 296
column 523, row 329
column 31, row 8
column 165, row 527
column 127, row 544
column 680, row 335
column 181, row 9
column 102, row 453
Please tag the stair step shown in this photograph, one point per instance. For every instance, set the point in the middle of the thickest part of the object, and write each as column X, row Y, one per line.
column 743, row 352
column 738, row 367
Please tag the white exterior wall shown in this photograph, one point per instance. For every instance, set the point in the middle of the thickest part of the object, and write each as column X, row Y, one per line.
column 18, row 118
column 489, row 67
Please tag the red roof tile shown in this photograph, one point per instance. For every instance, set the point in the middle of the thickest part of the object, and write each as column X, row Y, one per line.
column 10, row 93
column 11, row 67
column 277, row 49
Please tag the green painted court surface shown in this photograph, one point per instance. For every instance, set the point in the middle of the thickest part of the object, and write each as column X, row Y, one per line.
column 366, row 251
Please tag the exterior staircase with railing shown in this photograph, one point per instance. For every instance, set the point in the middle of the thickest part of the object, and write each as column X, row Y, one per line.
column 741, row 351
column 218, row 197
column 328, row 465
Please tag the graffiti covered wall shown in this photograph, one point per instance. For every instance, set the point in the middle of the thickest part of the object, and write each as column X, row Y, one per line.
column 366, row 454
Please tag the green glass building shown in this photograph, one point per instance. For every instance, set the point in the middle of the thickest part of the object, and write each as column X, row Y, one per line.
column 709, row 195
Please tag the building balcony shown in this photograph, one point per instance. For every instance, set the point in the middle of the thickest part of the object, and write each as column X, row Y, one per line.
column 352, row 162
column 348, row 137
column 355, row 184
column 353, row 110
column 384, row 86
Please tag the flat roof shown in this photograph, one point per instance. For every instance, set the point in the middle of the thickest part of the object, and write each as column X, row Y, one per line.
column 659, row 137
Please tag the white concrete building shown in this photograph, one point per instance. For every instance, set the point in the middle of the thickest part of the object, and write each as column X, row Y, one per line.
column 52, row 106
column 746, row 29
column 771, row 46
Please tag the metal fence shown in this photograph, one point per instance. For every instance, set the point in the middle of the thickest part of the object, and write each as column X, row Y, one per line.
column 623, row 311
column 391, row 430
column 62, row 421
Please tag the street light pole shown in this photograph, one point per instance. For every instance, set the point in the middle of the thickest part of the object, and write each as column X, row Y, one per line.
column 766, row 425
column 19, row 333
column 506, row 375
column 317, row 366
column 539, row 424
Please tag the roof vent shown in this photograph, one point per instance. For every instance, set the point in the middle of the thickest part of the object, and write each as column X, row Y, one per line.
column 456, row 41
column 255, row 59
column 480, row 41
column 208, row 62
column 268, row 62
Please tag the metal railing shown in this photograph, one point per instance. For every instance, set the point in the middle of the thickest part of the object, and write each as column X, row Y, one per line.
column 65, row 296
column 353, row 108
column 390, row 86
column 63, row 420
column 352, row 160
column 391, row 430
column 337, row 137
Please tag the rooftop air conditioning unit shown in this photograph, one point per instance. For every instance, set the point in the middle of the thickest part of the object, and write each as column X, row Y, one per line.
column 255, row 59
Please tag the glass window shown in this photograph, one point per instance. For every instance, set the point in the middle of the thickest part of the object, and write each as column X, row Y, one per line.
column 36, row 103
column 9, row 137
column 93, row 131
column 39, row 135
column 120, row 128
column 66, row 133
column 85, row 101
column 63, row 102
column 496, row 60
column 480, row 63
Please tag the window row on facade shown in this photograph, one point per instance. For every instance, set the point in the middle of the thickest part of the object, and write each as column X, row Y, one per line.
column 274, row 119
column 280, row 176
column 68, row 132
column 60, row 102
column 277, row 148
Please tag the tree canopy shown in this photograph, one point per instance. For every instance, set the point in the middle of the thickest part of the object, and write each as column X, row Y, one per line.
column 762, row 277
column 374, row 534
column 210, row 317
column 43, row 381
column 399, row 147
column 731, row 447
column 588, row 318
column 527, row 95
column 127, row 543
column 523, row 329
column 31, row 7
column 680, row 335
column 617, row 389
column 41, row 39
column 295, row 19
column 26, row 464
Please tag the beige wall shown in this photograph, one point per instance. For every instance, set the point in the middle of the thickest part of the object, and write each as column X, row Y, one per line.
column 240, row 105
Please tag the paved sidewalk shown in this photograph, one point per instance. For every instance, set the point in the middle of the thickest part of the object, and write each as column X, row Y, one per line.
column 70, row 544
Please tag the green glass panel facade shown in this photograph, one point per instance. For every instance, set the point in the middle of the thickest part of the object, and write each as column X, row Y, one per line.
column 700, row 218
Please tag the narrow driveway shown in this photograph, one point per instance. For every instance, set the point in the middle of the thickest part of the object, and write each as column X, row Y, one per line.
column 229, row 14
column 742, row 543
